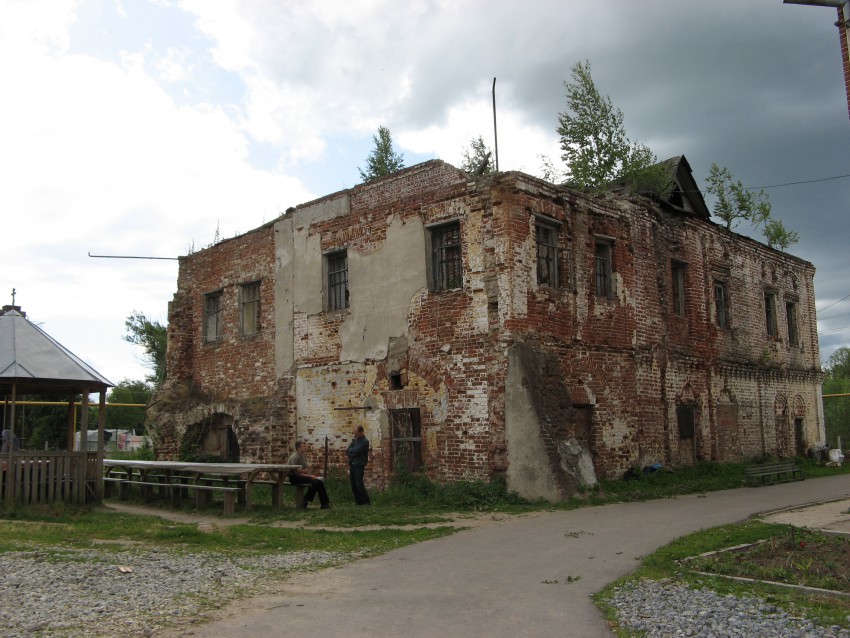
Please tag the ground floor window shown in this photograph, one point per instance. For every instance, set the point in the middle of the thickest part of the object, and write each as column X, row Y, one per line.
column 406, row 433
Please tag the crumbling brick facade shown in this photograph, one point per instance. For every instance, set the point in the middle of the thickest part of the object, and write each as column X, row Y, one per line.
column 499, row 326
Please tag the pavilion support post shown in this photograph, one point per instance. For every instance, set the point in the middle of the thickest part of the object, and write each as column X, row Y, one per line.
column 101, row 444
column 72, row 423
column 10, row 456
column 80, row 483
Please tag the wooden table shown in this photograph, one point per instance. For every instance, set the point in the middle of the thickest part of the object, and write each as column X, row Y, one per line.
column 245, row 475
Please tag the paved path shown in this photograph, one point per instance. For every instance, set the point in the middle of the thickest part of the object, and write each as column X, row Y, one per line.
column 499, row 580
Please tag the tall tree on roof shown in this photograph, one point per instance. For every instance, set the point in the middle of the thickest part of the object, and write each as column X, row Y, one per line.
column 477, row 158
column 595, row 147
column 383, row 160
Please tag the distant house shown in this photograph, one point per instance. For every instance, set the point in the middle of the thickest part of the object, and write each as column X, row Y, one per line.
column 501, row 326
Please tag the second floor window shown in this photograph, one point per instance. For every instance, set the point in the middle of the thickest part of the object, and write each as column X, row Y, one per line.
column 249, row 305
column 678, row 279
column 337, row 264
column 720, row 304
column 547, row 255
column 446, row 259
column 791, row 320
column 770, row 313
column 603, row 270
column 212, row 316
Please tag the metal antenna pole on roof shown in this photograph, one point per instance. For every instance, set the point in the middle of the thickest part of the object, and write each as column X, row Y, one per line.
column 495, row 130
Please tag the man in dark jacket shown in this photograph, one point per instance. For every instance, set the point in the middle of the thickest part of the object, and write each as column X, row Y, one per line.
column 358, row 456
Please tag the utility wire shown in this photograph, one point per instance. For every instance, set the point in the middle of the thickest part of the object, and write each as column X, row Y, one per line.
column 805, row 181
column 833, row 303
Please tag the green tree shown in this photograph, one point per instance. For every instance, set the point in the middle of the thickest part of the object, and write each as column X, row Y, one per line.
column 152, row 337
column 735, row 203
column 837, row 409
column 383, row 160
column 778, row 236
column 477, row 158
column 595, row 147
column 128, row 418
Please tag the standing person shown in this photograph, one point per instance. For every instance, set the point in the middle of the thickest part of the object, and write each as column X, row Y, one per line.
column 358, row 456
column 297, row 476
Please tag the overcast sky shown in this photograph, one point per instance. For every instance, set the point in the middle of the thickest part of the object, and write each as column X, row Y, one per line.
column 147, row 127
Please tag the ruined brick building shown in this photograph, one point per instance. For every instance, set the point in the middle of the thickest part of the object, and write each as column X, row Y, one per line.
column 497, row 326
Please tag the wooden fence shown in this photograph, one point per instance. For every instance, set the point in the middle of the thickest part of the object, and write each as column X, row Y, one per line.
column 49, row 477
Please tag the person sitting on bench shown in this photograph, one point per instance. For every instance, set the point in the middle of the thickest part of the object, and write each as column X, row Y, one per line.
column 297, row 476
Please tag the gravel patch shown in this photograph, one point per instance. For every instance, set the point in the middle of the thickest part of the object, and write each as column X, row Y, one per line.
column 666, row 610
column 95, row 593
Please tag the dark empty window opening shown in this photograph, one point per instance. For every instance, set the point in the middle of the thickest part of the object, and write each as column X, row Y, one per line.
column 770, row 313
column 337, row 264
column 406, row 440
column 685, row 417
column 547, row 255
column 446, row 259
column 395, row 381
column 212, row 316
column 678, row 281
column 603, row 270
column 720, row 304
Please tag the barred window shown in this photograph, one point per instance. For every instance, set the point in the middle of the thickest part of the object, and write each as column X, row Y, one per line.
column 249, row 304
column 603, row 270
column 547, row 255
column 337, row 269
column 791, row 321
column 678, row 281
column 720, row 305
column 406, row 439
column 446, row 259
column 770, row 313
column 213, row 316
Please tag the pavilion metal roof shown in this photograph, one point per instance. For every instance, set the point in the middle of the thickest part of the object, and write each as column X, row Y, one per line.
column 30, row 356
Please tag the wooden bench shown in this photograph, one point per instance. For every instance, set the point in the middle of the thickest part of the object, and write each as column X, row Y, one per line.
column 277, row 493
column 203, row 494
column 769, row 473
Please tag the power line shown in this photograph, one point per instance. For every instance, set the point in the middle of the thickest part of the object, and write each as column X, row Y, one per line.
column 805, row 181
column 833, row 303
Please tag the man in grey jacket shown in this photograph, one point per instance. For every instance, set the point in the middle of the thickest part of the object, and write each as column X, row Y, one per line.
column 358, row 457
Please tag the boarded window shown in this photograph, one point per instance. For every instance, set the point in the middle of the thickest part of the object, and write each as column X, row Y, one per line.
column 212, row 316
column 547, row 255
column 337, row 268
column 446, row 260
column 677, row 273
column 406, row 439
column 603, row 270
column 770, row 313
column 249, row 304
column 720, row 305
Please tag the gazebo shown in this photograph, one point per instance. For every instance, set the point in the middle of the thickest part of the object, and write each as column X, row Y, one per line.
column 32, row 362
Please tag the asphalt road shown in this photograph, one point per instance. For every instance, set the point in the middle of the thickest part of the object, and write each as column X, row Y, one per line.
column 528, row 576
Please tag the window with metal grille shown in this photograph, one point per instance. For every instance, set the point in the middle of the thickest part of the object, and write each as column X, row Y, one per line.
column 720, row 305
column 603, row 270
column 678, row 281
column 446, row 259
column 406, row 439
column 547, row 255
column 212, row 316
column 770, row 313
column 791, row 320
column 337, row 268
column 249, row 305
